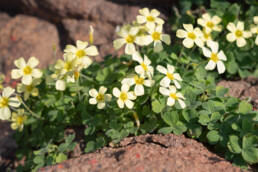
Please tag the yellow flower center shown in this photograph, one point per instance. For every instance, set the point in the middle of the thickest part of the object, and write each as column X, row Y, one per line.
column 123, row 96
column 27, row 70
column 100, row 97
column 129, row 39
column 170, row 76
column 173, row 96
column 80, row 53
column 29, row 88
column 20, row 120
column 138, row 80
column 144, row 66
column 238, row 33
column 150, row 19
column 191, row 35
column 76, row 75
column 214, row 57
column 68, row 66
column 206, row 35
column 4, row 102
column 210, row 24
column 155, row 36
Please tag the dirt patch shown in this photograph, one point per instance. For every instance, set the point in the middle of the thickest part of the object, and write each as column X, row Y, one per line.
column 161, row 153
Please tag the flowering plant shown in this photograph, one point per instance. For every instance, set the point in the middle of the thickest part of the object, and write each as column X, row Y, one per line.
column 152, row 88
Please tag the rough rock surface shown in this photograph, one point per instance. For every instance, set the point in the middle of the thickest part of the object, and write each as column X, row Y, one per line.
column 243, row 89
column 161, row 153
column 24, row 36
column 104, row 34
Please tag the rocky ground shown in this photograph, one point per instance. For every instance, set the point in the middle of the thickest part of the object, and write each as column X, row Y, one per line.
column 43, row 28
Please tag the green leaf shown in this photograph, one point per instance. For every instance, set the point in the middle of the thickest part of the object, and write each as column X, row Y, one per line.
column 250, row 148
column 170, row 117
column 157, row 106
column 221, row 91
column 219, row 4
column 215, row 116
column 89, row 130
column 39, row 159
column 165, row 130
column 232, row 66
column 213, row 136
column 90, row 147
column 179, row 128
column 204, row 117
column 61, row 157
column 195, row 130
column 244, row 107
column 190, row 115
column 234, row 145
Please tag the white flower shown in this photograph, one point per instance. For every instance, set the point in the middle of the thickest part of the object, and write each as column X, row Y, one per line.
column 173, row 96
column 139, row 82
column 216, row 57
column 29, row 89
column 210, row 23
column 129, row 37
column 206, row 36
column 60, row 85
column 82, row 52
column 170, row 76
column 99, row 97
column 26, row 70
column 145, row 65
column 191, row 35
column 149, row 17
column 6, row 101
column 124, row 96
column 156, row 36
column 254, row 29
column 69, row 64
column 18, row 120
column 238, row 34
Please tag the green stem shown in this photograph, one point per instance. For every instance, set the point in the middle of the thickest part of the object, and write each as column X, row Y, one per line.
column 28, row 109
column 86, row 77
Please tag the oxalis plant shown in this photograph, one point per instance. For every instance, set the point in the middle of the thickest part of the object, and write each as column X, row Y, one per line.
column 149, row 89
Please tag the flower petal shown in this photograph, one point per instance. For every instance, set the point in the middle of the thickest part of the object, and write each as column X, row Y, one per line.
column 8, row 91
column 170, row 68
column 165, row 82
column 14, row 102
column 16, row 73
column 36, row 73
column 33, row 62
column 241, row 42
column 166, row 38
column 139, row 90
column 81, row 44
column 101, row 105
column 5, row 113
column 158, row 46
column 129, row 48
column 92, row 51
column 129, row 104
column 180, row 33
column 20, row 63
column 231, row 27
column 120, row 103
column 161, row 69
column 27, row 79
column 220, row 67
column 222, row 56
column 177, row 77
column 102, row 90
column 93, row 101
column 211, row 65
column 164, row 91
column 141, row 19
column 118, row 43
column 240, row 25
column 182, row 103
column 188, row 27
column 170, row 101
column 60, row 85
column 131, row 95
column 188, row 43
column 214, row 46
column 206, row 52
column 93, row 93
column 116, row 92
column 177, row 84
column 231, row 37
column 125, row 88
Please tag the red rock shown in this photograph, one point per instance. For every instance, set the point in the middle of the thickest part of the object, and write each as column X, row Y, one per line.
column 24, row 36
column 161, row 153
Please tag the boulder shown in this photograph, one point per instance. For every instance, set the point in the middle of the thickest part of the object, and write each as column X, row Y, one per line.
column 25, row 36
